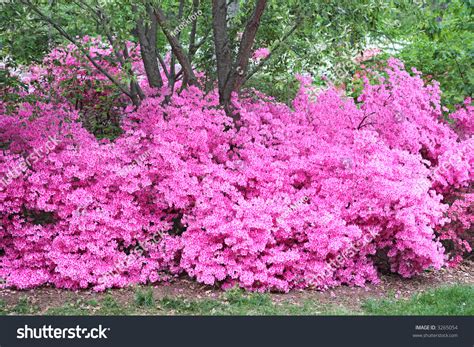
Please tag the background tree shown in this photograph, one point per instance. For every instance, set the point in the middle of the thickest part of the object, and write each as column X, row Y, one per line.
column 316, row 37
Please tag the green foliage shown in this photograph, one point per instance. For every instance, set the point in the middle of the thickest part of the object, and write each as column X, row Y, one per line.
column 110, row 306
column 22, row 38
column 77, row 308
column 435, row 36
column 329, row 35
column 441, row 45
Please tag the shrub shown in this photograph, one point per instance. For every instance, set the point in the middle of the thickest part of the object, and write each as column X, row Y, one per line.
column 307, row 196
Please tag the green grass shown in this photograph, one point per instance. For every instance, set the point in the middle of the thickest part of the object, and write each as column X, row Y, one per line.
column 144, row 298
column 233, row 302
column 3, row 308
column 108, row 306
column 78, row 308
column 237, row 303
column 454, row 300
column 24, row 307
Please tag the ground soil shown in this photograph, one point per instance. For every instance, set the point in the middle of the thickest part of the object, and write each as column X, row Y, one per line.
column 349, row 298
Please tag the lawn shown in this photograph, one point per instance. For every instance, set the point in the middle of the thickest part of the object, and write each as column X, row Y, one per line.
column 447, row 300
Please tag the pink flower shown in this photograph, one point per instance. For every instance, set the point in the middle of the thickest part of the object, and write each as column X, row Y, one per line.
column 313, row 192
column 261, row 53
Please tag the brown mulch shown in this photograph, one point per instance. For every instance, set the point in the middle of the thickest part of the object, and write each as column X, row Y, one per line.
column 349, row 298
column 390, row 285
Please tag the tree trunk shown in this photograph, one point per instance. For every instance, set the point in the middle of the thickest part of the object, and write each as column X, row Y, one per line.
column 246, row 44
column 222, row 46
column 231, row 75
column 147, row 38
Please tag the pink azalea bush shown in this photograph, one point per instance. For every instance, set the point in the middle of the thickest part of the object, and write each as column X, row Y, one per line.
column 66, row 76
column 312, row 195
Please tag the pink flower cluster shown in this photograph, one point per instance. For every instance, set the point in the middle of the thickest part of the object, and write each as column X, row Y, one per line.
column 261, row 53
column 367, row 55
column 329, row 180
column 463, row 119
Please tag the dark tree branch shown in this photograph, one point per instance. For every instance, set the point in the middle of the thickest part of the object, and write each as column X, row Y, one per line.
column 147, row 37
column 122, row 56
column 172, row 77
column 192, row 35
column 230, row 75
column 361, row 124
column 134, row 86
column 200, row 43
column 245, row 49
column 178, row 50
column 222, row 45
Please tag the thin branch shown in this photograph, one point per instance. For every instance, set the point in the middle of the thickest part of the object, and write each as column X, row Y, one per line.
column 163, row 65
column 361, row 124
